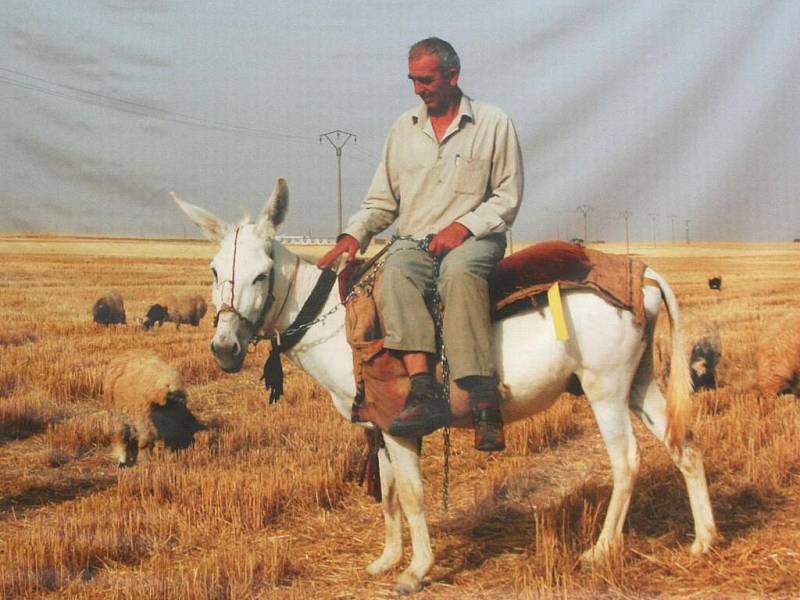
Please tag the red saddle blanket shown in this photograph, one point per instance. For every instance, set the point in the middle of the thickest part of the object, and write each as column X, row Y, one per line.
column 518, row 282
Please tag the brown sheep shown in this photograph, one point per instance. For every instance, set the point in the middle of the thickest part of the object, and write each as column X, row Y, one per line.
column 778, row 357
column 147, row 397
column 705, row 355
column 185, row 309
column 109, row 309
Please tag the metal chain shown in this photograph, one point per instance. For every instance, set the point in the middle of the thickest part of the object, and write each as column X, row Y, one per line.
column 439, row 327
column 366, row 285
column 302, row 327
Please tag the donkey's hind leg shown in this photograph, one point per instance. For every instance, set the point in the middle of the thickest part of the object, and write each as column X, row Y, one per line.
column 608, row 398
column 392, row 517
column 649, row 403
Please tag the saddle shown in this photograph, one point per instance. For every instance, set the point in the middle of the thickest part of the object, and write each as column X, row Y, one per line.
column 518, row 282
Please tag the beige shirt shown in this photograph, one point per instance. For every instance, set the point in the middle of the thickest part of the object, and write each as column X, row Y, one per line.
column 473, row 176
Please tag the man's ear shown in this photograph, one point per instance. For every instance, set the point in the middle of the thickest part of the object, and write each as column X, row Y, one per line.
column 452, row 76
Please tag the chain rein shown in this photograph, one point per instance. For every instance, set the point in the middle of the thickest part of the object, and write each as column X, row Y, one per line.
column 439, row 327
column 367, row 283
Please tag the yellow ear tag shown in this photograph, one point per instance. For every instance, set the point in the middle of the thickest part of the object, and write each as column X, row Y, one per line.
column 557, row 310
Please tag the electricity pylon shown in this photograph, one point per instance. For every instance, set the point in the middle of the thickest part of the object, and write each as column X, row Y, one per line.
column 342, row 137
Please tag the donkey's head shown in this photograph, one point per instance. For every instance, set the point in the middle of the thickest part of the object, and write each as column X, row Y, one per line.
column 243, row 274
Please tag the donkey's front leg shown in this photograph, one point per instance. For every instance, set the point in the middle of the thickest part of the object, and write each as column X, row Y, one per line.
column 393, row 544
column 408, row 482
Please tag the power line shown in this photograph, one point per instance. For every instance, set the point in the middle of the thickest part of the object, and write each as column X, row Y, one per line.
column 69, row 92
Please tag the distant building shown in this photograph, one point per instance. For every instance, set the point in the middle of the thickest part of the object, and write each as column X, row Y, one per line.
column 305, row 240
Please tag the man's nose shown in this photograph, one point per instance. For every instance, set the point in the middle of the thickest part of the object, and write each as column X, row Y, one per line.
column 418, row 87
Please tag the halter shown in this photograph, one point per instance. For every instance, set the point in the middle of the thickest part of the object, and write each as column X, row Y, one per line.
column 231, row 308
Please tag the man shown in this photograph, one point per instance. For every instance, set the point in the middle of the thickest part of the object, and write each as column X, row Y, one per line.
column 451, row 167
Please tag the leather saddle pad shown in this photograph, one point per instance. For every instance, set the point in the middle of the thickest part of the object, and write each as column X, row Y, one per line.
column 536, row 265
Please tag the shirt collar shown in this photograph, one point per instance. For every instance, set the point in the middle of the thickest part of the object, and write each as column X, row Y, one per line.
column 420, row 115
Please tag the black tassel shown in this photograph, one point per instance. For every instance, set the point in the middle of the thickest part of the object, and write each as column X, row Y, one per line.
column 273, row 375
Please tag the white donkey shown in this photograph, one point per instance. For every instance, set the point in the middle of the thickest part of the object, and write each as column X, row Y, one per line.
column 258, row 281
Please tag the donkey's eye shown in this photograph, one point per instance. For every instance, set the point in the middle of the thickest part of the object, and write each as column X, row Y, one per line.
column 260, row 277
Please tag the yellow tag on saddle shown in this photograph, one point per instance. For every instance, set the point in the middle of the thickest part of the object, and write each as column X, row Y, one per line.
column 557, row 310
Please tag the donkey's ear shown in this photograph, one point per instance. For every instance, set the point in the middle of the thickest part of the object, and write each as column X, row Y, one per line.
column 212, row 227
column 275, row 210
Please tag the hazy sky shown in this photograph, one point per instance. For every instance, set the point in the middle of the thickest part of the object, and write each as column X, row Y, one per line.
column 672, row 110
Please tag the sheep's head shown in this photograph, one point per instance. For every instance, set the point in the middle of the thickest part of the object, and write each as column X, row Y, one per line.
column 125, row 446
column 792, row 385
column 242, row 271
column 174, row 423
column 156, row 314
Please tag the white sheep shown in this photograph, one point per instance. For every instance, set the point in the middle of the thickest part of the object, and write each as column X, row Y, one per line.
column 778, row 357
column 147, row 397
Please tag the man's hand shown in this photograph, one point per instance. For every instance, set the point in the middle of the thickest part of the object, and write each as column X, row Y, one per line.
column 448, row 238
column 346, row 244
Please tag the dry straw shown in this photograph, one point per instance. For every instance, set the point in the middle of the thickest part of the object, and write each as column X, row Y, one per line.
column 265, row 504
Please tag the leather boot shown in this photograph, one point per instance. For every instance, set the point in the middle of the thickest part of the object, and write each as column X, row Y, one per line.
column 484, row 399
column 425, row 411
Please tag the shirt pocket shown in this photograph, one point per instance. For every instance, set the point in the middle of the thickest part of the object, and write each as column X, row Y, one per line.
column 472, row 176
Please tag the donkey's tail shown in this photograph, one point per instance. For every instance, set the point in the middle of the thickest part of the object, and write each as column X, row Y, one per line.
column 679, row 384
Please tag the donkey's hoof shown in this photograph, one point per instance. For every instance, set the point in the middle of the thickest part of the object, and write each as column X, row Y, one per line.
column 407, row 584
column 594, row 556
column 700, row 547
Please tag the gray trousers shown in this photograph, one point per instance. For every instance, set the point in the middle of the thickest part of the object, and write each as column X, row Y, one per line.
column 408, row 280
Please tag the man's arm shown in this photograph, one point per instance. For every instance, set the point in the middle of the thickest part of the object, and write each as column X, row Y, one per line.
column 381, row 203
column 497, row 213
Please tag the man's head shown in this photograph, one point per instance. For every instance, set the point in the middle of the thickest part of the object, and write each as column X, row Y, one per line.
column 434, row 67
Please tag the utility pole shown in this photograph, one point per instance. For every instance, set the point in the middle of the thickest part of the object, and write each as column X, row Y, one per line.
column 626, row 214
column 585, row 209
column 342, row 137
column 672, row 218
column 686, row 222
column 653, row 225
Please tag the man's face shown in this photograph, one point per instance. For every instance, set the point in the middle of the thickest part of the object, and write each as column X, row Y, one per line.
column 438, row 90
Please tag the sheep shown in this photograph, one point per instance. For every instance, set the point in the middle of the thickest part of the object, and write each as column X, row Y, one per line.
column 705, row 356
column 778, row 357
column 715, row 283
column 148, row 400
column 109, row 310
column 186, row 309
column 156, row 315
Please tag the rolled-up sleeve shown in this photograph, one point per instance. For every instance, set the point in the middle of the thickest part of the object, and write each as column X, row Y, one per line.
column 506, row 180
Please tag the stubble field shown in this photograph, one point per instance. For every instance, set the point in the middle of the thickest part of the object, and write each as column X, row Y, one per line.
column 266, row 504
